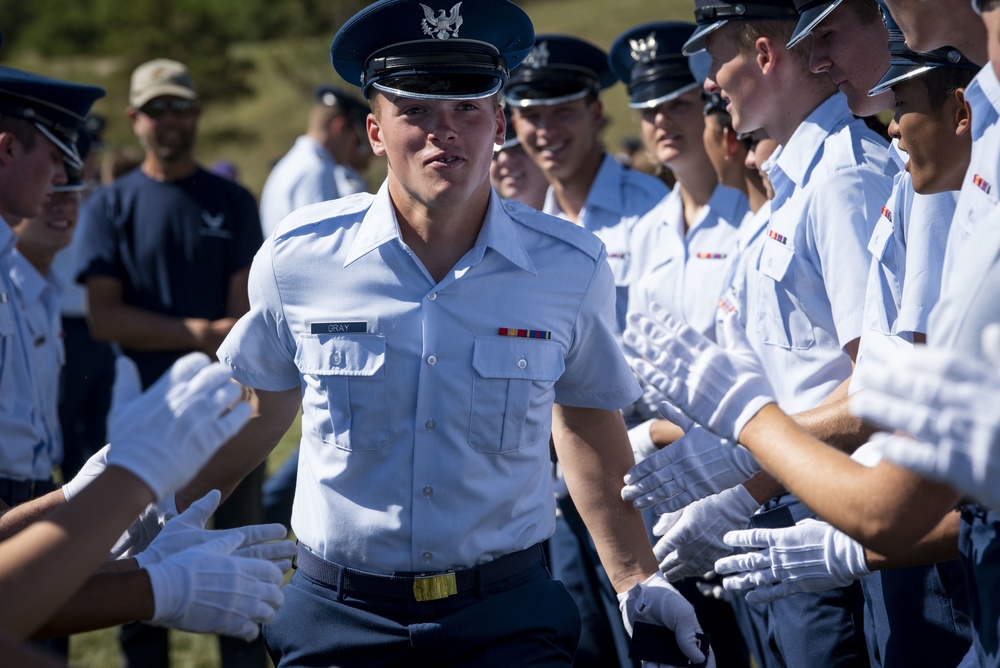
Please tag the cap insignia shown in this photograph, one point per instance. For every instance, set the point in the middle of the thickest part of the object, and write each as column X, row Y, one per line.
column 644, row 50
column 539, row 56
column 441, row 26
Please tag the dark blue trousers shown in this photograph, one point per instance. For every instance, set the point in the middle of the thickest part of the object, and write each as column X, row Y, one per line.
column 526, row 620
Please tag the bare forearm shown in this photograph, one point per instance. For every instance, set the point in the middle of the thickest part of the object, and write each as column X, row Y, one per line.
column 833, row 424
column 42, row 566
column 594, row 453
column 940, row 544
column 273, row 415
column 16, row 519
column 141, row 329
column 106, row 599
column 885, row 508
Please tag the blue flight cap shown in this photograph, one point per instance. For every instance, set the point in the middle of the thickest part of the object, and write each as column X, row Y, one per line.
column 56, row 108
column 445, row 50
column 905, row 64
column 713, row 14
column 648, row 59
column 559, row 69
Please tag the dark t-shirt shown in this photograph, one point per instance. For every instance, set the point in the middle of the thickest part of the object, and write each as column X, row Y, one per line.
column 173, row 245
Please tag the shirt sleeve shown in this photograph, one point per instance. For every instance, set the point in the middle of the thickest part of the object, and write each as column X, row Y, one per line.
column 260, row 349
column 927, row 225
column 249, row 235
column 597, row 375
column 848, row 202
column 97, row 253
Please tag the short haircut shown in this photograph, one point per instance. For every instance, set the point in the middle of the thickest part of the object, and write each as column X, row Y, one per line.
column 746, row 34
column 23, row 131
column 866, row 10
column 942, row 82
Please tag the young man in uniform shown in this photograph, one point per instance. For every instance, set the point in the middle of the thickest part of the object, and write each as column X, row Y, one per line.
column 424, row 489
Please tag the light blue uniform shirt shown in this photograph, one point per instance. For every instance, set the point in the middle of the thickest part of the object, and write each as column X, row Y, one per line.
column 737, row 293
column 693, row 263
column 619, row 197
column 904, row 279
column 830, row 182
column 307, row 174
column 425, row 430
column 28, row 450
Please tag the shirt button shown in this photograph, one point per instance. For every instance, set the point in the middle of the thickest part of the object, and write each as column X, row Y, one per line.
column 427, row 491
column 429, row 425
column 432, row 360
column 522, row 363
column 432, row 296
column 426, row 556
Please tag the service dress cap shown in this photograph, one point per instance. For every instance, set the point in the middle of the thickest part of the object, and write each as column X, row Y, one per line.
column 648, row 59
column 713, row 14
column 56, row 108
column 437, row 49
column 559, row 69
column 905, row 64
column 811, row 14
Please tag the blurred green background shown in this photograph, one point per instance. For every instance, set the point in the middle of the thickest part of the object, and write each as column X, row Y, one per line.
column 255, row 63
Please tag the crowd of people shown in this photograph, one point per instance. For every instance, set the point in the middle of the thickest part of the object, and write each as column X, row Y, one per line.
column 734, row 403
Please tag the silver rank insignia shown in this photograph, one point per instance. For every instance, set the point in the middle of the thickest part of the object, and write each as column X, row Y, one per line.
column 644, row 50
column 539, row 56
column 441, row 26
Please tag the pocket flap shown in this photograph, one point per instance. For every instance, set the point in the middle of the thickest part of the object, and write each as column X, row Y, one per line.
column 880, row 238
column 775, row 259
column 340, row 354
column 512, row 357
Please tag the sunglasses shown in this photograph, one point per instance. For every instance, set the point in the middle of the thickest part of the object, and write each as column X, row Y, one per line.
column 178, row 107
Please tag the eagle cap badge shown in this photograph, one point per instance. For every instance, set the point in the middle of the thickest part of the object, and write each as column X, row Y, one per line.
column 644, row 50
column 441, row 26
column 539, row 56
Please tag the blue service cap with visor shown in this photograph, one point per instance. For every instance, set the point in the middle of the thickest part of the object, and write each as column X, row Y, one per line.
column 56, row 108
column 648, row 59
column 713, row 14
column 906, row 64
column 811, row 14
column 432, row 49
column 560, row 68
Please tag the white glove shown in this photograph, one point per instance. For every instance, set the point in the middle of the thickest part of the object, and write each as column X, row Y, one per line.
column 655, row 601
column 697, row 465
column 710, row 586
column 642, row 441
column 720, row 389
column 207, row 589
column 811, row 556
column 165, row 435
column 261, row 541
column 948, row 401
column 145, row 528
column 692, row 538
column 92, row 468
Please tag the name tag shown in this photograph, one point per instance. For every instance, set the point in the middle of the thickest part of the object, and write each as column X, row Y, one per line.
column 338, row 328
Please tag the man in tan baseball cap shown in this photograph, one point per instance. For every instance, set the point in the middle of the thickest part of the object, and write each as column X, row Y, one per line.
column 160, row 77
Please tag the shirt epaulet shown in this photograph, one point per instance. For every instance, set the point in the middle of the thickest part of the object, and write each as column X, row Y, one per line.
column 565, row 231
column 322, row 212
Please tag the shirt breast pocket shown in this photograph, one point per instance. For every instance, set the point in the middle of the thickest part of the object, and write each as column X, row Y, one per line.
column 346, row 394
column 512, row 380
column 8, row 345
column 883, row 249
column 783, row 321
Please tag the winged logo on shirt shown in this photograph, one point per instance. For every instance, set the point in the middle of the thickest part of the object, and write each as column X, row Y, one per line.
column 441, row 26
column 213, row 225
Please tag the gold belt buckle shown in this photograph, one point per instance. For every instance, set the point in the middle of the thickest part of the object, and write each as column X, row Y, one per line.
column 434, row 587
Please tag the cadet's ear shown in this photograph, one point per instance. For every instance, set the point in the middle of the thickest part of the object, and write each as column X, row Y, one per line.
column 767, row 54
column 963, row 114
column 375, row 135
column 7, row 143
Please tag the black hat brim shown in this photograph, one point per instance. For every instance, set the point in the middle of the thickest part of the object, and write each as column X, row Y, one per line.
column 809, row 19
column 696, row 43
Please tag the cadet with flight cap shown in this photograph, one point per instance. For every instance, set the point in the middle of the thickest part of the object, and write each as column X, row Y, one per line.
column 39, row 122
column 424, row 489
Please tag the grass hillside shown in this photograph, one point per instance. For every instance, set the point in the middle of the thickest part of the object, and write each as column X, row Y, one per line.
column 254, row 132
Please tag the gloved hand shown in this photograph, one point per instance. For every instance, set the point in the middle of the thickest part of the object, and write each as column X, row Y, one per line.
column 208, row 589
column 695, row 466
column 261, row 541
column 92, row 468
column 811, row 556
column 145, row 528
column 655, row 601
column 710, row 586
column 692, row 538
column 719, row 389
column 165, row 435
column 641, row 441
column 948, row 401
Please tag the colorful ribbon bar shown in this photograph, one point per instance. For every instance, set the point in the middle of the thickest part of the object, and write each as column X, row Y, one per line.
column 777, row 237
column 982, row 184
column 886, row 213
column 711, row 256
column 525, row 333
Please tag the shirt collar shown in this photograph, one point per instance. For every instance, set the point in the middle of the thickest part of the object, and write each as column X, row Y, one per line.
column 498, row 231
column 808, row 138
column 605, row 191
column 30, row 284
column 983, row 96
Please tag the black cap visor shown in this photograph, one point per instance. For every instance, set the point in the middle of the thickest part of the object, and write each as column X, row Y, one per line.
column 809, row 19
column 436, row 69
